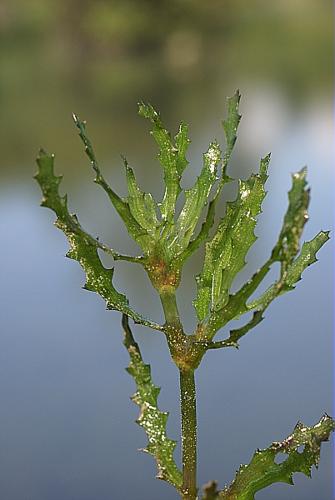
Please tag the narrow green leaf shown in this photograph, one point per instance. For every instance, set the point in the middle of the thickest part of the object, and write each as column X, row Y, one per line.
column 151, row 418
column 172, row 157
column 142, row 205
column 293, row 272
column 231, row 124
column 287, row 246
column 182, row 143
column 120, row 205
column 263, row 469
column 225, row 253
column 295, row 218
column 83, row 247
column 203, row 233
column 285, row 252
column 306, row 258
column 237, row 304
column 196, row 199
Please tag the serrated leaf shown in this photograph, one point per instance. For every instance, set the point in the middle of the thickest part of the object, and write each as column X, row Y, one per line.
column 151, row 418
column 142, row 205
column 196, row 199
column 172, row 156
column 83, row 247
column 225, row 253
column 293, row 272
column 306, row 258
column 263, row 470
column 231, row 124
column 137, row 232
column 295, row 218
column 238, row 304
column 288, row 243
column 285, row 252
column 203, row 233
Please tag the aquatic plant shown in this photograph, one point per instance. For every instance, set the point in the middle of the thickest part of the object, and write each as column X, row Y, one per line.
column 167, row 239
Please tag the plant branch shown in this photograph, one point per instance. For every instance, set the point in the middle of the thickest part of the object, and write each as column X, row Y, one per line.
column 170, row 307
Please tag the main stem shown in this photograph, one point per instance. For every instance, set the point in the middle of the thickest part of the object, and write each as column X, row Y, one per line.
column 188, row 434
column 177, row 338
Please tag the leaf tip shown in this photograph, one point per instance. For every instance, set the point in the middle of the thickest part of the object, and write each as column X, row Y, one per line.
column 237, row 95
column 300, row 175
column 147, row 111
column 42, row 154
column 75, row 118
column 266, row 158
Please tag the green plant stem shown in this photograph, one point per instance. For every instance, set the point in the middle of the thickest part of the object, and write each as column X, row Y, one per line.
column 170, row 308
column 176, row 337
column 188, row 434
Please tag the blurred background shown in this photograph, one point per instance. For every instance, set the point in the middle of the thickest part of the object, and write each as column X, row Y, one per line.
column 66, row 421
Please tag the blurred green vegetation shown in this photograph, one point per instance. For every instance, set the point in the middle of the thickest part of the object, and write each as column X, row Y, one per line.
column 99, row 57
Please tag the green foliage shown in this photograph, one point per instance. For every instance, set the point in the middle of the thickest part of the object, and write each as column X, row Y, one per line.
column 171, row 156
column 142, row 205
column 263, row 469
column 167, row 240
column 151, row 418
column 122, row 207
column 225, row 253
column 230, row 124
column 196, row 199
column 83, row 247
